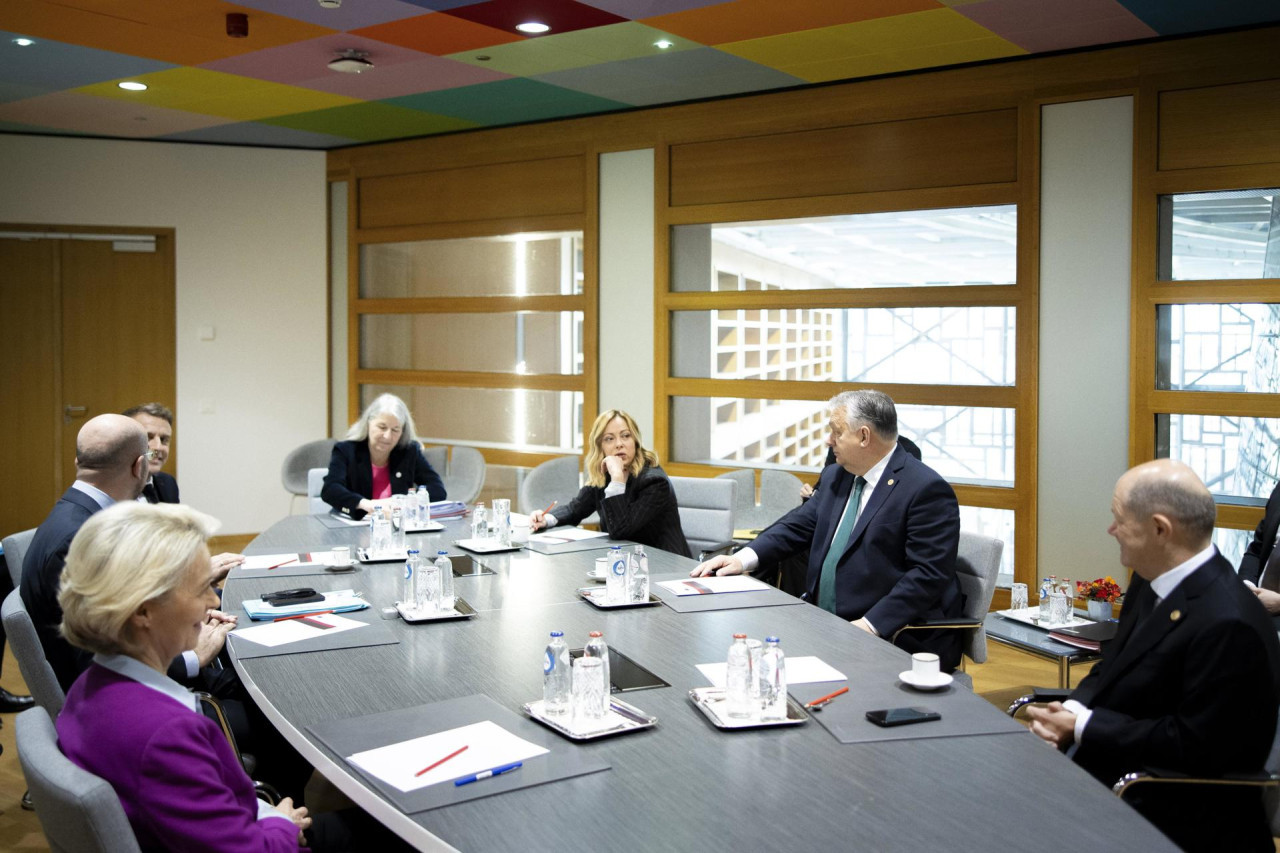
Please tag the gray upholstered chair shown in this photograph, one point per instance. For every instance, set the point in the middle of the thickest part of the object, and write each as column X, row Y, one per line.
column 15, row 551
column 25, row 643
column 779, row 494
column 977, row 566
column 79, row 812
column 315, row 482
column 313, row 454
column 461, row 468
column 554, row 480
column 706, row 513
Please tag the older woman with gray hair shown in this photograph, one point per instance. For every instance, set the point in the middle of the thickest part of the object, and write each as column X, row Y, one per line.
column 136, row 590
column 380, row 458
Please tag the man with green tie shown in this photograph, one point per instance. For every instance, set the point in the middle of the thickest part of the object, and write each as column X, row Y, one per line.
column 882, row 532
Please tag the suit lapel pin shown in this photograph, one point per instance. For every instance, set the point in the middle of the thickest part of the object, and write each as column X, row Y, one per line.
column 397, row 475
column 1175, row 615
column 891, row 482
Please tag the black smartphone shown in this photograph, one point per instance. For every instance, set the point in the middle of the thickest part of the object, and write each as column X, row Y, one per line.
column 889, row 717
column 302, row 595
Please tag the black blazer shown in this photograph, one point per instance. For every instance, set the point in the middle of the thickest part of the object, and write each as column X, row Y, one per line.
column 350, row 477
column 41, row 577
column 1193, row 687
column 646, row 512
column 900, row 563
column 166, row 489
column 1264, row 540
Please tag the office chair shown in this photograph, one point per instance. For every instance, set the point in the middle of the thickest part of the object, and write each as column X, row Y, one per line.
column 313, row 454
column 15, row 551
column 78, row 811
column 706, row 513
column 977, row 566
column 33, row 665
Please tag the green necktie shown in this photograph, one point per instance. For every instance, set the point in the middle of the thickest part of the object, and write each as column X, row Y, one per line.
column 827, row 580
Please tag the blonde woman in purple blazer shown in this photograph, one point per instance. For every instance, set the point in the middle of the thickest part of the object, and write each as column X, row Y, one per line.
column 137, row 587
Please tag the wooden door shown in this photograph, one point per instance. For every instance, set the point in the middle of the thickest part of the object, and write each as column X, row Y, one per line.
column 93, row 332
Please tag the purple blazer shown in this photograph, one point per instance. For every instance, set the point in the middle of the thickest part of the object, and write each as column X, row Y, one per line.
column 181, row 786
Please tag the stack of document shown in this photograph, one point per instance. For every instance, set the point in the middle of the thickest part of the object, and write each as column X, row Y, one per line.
column 448, row 509
column 338, row 601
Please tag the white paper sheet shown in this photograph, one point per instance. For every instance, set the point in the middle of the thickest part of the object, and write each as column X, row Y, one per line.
column 714, row 585
column 293, row 630
column 561, row 535
column 267, row 561
column 800, row 670
column 488, row 745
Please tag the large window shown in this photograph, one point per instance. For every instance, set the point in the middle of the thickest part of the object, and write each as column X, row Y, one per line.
column 1215, row 321
column 771, row 318
column 483, row 337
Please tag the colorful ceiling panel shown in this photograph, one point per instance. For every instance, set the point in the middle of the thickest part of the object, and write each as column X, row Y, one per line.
column 440, row 66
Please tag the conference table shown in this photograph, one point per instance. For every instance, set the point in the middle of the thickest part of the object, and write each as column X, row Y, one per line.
column 971, row 781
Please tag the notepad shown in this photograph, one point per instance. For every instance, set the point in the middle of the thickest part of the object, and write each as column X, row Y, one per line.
column 488, row 745
column 563, row 535
column 295, row 630
column 714, row 585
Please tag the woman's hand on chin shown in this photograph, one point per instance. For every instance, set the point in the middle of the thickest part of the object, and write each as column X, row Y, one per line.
column 615, row 470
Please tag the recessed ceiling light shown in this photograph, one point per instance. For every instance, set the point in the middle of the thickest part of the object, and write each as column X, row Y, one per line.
column 23, row 42
column 532, row 27
column 133, row 86
column 663, row 44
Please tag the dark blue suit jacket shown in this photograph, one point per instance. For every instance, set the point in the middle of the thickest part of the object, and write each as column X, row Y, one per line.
column 350, row 477
column 166, row 488
column 1193, row 687
column 900, row 563
column 42, row 575
column 1264, row 541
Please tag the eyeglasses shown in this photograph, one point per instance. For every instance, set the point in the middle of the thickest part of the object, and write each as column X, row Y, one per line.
column 152, row 455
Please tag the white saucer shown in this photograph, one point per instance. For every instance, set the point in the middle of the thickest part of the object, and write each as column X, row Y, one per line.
column 926, row 682
column 596, row 576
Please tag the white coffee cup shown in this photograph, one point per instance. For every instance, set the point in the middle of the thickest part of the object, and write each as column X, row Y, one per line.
column 925, row 663
column 341, row 555
column 602, row 567
column 519, row 535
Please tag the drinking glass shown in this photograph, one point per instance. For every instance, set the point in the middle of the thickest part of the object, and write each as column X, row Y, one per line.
column 589, row 696
column 1018, row 596
column 502, row 521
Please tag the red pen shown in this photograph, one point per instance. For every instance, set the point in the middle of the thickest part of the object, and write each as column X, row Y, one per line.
column 302, row 615
column 285, row 563
column 441, row 761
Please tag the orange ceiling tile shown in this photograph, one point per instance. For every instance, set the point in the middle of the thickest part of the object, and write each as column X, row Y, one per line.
column 189, row 32
column 748, row 19
column 438, row 34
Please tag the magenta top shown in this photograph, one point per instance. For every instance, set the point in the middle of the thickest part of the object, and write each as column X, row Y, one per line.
column 381, row 482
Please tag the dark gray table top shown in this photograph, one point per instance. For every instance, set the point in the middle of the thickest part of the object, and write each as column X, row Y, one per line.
column 684, row 784
column 1031, row 638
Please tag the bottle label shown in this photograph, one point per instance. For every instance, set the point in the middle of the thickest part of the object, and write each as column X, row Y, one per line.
column 408, row 570
column 548, row 664
column 620, row 567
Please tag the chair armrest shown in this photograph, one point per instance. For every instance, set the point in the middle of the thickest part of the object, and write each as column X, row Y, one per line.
column 935, row 624
column 1260, row 779
column 718, row 548
column 265, row 792
column 1041, row 694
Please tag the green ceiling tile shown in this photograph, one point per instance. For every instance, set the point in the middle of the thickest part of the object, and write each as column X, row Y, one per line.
column 371, row 121
column 508, row 102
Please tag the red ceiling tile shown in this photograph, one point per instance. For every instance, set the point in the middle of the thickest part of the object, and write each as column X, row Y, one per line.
column 561, row 15
column 748, row 19
column 438, row 33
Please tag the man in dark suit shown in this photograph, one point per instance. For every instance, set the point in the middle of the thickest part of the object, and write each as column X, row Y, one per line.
column 1191, row 682
column 1260, row 565
column 157, row 420
column 882, row 530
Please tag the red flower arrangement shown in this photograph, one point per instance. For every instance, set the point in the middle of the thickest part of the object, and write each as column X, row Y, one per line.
column 1102, row 589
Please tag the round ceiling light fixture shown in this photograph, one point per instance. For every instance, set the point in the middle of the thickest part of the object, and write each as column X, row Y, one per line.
column 133, row 86
column 532, row 27
column 663, row 44
column 351, row 61
column 22, row 42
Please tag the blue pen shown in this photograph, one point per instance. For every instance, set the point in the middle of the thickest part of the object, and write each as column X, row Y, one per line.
column 485, row 774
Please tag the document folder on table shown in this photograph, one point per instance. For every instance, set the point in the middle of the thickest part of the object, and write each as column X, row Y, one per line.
column 1090, row 637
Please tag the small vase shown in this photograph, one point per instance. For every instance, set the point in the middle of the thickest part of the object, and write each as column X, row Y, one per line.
column 1099, row 611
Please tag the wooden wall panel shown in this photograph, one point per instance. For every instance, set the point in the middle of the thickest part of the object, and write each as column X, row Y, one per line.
column 942, row 151
column 492, row 191
column 1231, row 125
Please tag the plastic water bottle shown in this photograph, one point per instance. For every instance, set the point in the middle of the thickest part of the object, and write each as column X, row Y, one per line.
column 397, row 529
column 773, row 681
column 479, row 522
column 1045, row 590
column 639, row 580
column 427, row 587
column 445, row 565
column 596, row 648
column 737, row 679
column 380, row 533
column 408, row 590
column 424, row 506
column 411, row 509
column 556, row 676
column 615, row 579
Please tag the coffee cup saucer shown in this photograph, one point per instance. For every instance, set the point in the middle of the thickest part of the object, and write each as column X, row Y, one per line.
column 921, row 681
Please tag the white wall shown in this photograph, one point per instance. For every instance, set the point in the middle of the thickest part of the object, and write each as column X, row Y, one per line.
column 250, row 261
column 1085, row 220
column 626, row 286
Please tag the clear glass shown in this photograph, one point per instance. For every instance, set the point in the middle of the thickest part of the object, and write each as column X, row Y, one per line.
column 502, row 342
column 963, row 444
column 506, row 418
column 914, row 248
column 546, row 263
column 1238, row 458
column 998, row 524
column 1232, row 543
column 1219, row 235
column 589, row 695
column 1229, row 347
column 1018, row 596
column 938, row 346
